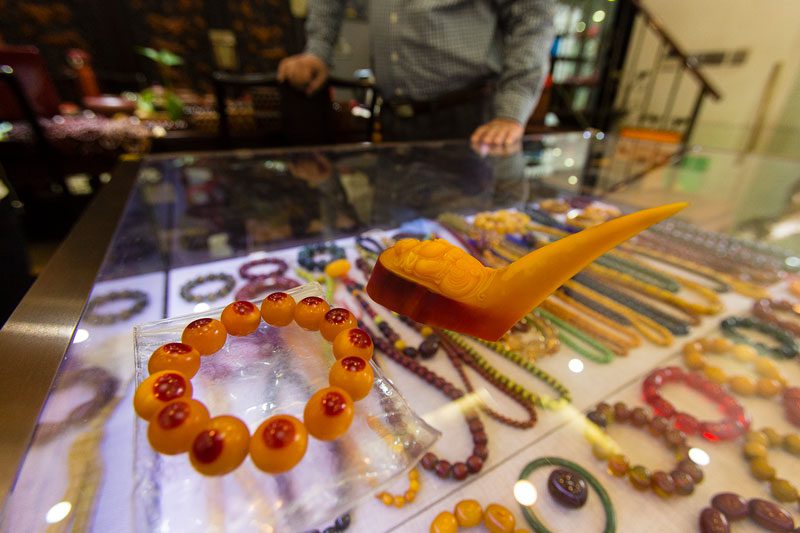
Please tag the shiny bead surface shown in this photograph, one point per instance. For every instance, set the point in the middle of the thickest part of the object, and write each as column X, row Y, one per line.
column 618, row 465
column 220, row 447
column 172, row 430
column 742, row 385
column 733, row 506
column 761, row 469
column 335, row 321
column 175, row 356
column 278, row 444
column 355, row 342
column 468, row 513
column 774, row 437
column 568, row 488
column 768, row 387
column 498, row 519
column 754, row 449
column 715, row 374
column 770, row 516
column 445, row 522
column 662, row 484
column 328, row 413
column 337, row 268
column 240, row 318
column 783, row 491
column 206, row 335
column 688, row 466
column 791, row 443
column 277, row 309
column 158, row 390
column 309, row 312
column 713, row 521
column 744, row 353
column 352, row 374
column 684, row 484
column 639, row 477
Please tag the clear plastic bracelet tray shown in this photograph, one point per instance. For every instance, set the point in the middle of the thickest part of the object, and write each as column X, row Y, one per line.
column 272, row 371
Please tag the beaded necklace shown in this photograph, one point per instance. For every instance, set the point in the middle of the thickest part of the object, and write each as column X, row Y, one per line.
column 766, row 309
column 786, row 349
column 575, row 339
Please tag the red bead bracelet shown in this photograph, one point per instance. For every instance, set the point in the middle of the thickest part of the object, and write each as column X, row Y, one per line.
column 732, row 426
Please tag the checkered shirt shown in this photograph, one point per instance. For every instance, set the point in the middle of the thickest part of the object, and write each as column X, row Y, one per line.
column 422, row 49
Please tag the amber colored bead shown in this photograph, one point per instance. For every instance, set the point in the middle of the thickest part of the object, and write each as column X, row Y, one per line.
column 761, row 469
column 639, row 417
column 662, row 484
column 206, row 335
column 693, row 348
column 386, row 498
column 309, row 311
column 618, row 465
column 158, row 390
column 241, row 318
column 639, row 477
column 621, row 412
column 399, row 501
column 328, row 413
column 426, row 331
column 335, row 321
column 721, row 345
column 694, row 360
column 758, row 437
column 658, row 425
column 744, row 353
column 742, row 385
column 602, row 450
column 277, row 309
column 691, row 468
column 768, row 387
column 498, row 519
column 354, row 375
column 684, row 484
column 278, row 444
column 445, row 522
column 410, row 495
column 715, row 374
column 175, row 356
column 221, row 446
column 767, row 368
column 791, row 443
column 172, row 430
column 355, row 342
column 775, row 438
column 783, row 491
column 753, row 449
column 338, row 268
column 468, row 513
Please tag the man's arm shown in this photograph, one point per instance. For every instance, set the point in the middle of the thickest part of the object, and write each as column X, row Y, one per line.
column 322, row 27
column 528, row 31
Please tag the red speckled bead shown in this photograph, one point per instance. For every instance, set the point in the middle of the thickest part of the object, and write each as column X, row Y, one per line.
column 220, row 447
column 352, row 374
column 277, row 309
column 353, row 341
column 158, row 390
column 241, row 318
column 309, row 311
column 329, row 413
column 175, row 356
column 687, row 423
column 206, row 335
column 278, row 444
column 336, row 321
column 172, row 430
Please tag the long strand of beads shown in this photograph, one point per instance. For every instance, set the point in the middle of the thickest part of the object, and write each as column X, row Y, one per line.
column 579, row 342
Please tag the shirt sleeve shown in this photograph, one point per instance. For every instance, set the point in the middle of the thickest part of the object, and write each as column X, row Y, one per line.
column 528, row 31
column 322, row 27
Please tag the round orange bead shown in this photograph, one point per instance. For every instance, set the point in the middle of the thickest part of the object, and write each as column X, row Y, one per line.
column 158, row 390
column 277, row 309
column 220, row 447
column 173, row 429
column 278, row 444
column 175, row 356
column 445, row 522
column 206, row 335
column 241, row 318
column 335, row 321
column 352, row 374
column 355, row 342
column 329, row 413
column 309, row 311
column 498, row 519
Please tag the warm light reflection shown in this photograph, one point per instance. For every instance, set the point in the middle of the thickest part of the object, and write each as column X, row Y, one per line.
column 599, row 16
column 80, row 336
column 525, row 493
column 58, row 512
column 202, row 306
column 575, row 365
column 587, row 134
column 569, row 162
column 793, row 261
column 699, row 456
column 600, row 136
column 556, row 152
column 579, row 27
column 572, row 180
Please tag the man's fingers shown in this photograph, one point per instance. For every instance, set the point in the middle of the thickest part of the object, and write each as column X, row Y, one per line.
column 282, row 69
column 317, row 80
column 477, row 136
column 494, row 135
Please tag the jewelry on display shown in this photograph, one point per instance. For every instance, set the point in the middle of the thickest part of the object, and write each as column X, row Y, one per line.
column 578, row 341
column 258, row 287
column 280, row 270
column 735, row 423
column 728, row 507
column 756, row 447
column 187, row 290
column 469, row 513
column 614, row 341
column 307, row 258
column 369, row 245
column 786, row 349
column 407, row 497
column 765, row 309
column 217, row 446
column 139, row 301
column 340, row 524
column 680, row 481
column 567, row 486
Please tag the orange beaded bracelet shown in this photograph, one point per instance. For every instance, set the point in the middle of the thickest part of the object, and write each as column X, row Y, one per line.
column 217, row 446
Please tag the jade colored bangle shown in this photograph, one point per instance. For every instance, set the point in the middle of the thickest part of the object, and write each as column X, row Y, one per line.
column 608, row 507
column 572, row 337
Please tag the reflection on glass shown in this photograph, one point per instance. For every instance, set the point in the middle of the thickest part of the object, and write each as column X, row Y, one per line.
column 202, row 306
column 699, row 456
column 58, row 512
column 525, row 493
column 80, row 336
column 575, row 365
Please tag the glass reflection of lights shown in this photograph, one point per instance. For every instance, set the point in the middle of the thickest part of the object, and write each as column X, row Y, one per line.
column 699, row 456
column 793, row 261
column 80, row 336
column 579, row 27
column 599, row 16
column 575, row 365
column 525, row 493
column 600, row 136
column 58, row 512
column 556, row 152
column 569, row 162
column 572, row 180
column 587, row 134
column 202, row 306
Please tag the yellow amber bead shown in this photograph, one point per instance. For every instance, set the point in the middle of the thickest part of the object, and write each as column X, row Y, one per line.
column 410, row 495
column 694, row 360
column 715, row 374
column 761, row 469
column 338, row 268
column 399, row 501
column 744, row 353
column 413, row 474
column 400, row 344
column 444, row 522
column 767, row 368
column 767, row 387
column 498, row 519
column 754, row 449
column 775, row 438
column 742, row 385
column 414, row 485
column 386, row 498
column 783, row 491
column 721, row 345
column 426, row 331
column 758, row 437
column 468, row 513
column 791, row 443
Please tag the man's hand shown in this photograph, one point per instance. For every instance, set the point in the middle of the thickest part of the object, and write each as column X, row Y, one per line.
column 498, row 132
column 305, row 72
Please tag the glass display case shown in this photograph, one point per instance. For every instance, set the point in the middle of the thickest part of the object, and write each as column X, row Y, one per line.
column 195, row 228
